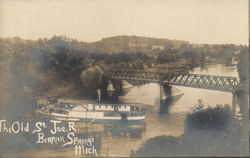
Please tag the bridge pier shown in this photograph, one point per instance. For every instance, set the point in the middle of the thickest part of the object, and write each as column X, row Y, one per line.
column 240, row 98
column 117, row 86
column 234, row 102
column 165, row 91
column 165, row 97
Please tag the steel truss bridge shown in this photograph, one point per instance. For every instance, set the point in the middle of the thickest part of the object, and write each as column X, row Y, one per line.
column 211, row 82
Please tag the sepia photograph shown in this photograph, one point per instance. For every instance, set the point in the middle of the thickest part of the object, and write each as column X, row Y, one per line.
column 124, row 78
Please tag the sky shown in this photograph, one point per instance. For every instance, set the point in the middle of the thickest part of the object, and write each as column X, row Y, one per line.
column 196, row 21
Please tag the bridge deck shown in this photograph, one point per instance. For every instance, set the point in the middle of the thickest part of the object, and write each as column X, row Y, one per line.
column 219, row 83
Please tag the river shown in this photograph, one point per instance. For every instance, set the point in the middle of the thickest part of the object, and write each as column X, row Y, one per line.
column 117, row 141
column 172, row 122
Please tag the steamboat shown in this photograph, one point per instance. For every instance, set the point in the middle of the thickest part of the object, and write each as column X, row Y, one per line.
column 91, row 112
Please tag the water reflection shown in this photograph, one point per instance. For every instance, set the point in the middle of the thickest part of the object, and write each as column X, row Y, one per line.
column 124, row 131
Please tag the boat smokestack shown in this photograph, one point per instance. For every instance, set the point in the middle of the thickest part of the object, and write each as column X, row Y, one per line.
column 99, row 95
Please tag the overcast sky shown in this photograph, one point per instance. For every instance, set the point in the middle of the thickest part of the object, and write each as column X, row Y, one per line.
column 197, row 21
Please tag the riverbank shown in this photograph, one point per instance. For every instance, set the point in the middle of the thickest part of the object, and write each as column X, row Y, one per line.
column 201, row 137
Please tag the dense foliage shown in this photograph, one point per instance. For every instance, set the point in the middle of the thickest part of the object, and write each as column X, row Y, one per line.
column 55, row 66
column 211, row 132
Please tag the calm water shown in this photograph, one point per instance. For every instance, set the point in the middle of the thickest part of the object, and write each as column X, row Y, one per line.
column 171, row 123
column 120, row 140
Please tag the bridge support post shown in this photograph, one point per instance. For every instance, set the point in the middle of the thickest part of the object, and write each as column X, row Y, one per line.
column 161, row 93
column 117, row 86
column 234, row 102
column 242, row 98
column 165, row 97
column 165, row 90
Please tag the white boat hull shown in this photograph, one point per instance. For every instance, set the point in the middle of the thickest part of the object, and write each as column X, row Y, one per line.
column 91, row 117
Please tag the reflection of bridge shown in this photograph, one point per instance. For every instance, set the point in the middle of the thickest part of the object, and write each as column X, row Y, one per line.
column 167, row 79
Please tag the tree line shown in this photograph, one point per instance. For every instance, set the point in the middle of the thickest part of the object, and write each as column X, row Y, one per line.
column 58, row 65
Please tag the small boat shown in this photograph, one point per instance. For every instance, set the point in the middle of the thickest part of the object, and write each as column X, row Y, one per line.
column 92, row 112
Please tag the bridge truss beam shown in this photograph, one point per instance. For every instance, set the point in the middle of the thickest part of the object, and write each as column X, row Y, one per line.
column 219, row 83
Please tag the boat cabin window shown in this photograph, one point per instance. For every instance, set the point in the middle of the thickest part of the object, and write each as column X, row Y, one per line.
column 51, row 110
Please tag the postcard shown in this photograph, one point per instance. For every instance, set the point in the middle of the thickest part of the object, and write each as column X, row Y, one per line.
column 124, row 78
